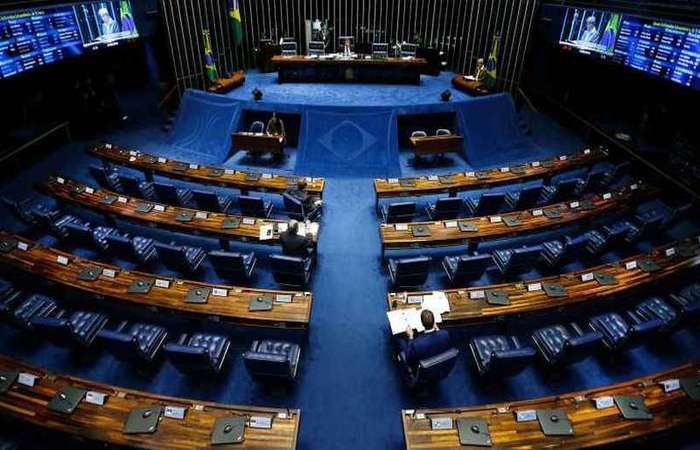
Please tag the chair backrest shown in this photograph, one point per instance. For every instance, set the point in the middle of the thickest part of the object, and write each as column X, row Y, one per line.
column 131, row 186
column 187, row 358
column 288, row 264
column 408, row 49
column 419, row 133
column 101, row 176
column 251, row 205
column 257, row 127
column 448, row 205
column 226, row 263
column 435, row 368
column 171, row 255
column 79, row 233
column 120, row 245
column 566, row 189
column 473, row 265
column 166, row 193
column 380, row 49
column 489, row 202
column 292, row 204
column 529, row 196
column 207, row 200
column 525, row 257
column 35, row 306
column 401, row 209
column 443, row 132
column 411, row 266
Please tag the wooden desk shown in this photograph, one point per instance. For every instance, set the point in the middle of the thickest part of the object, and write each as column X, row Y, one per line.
column 436, row 145
column 471, row 87
column 104, row 423
column 303, row 69
column 469, row 306
column 447, row 232
column 258, row 143
column 217, row 176
column 246, row 229
column 485, row 178
column 591, row 427
column 42, row 262
column 224, row 85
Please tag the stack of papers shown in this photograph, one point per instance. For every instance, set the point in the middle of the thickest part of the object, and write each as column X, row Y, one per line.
column 266, row 232
column 305, row 228
column 401, row 319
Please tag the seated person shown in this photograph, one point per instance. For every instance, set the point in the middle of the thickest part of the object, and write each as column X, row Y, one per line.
column 431, row 342
column 295, row 245
column 275, row 126
column 309, row 201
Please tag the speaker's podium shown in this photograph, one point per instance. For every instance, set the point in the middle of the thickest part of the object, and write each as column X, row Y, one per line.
column 258, row 143
column 470, row 85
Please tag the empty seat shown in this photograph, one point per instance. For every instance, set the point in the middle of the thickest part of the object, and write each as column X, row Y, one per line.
column 518, row 260
column 291, row 270
column 171, row 195
column 99, row 237
column 296, row 209
column 619, row 333
column 398, row 212
column 564, row 190
column 233, row 265
column 419, row 133
column 430, row 370
column 180, row 258
column 443, row 132
column 45, row 217
column 134, row 187
column 409, row 271
column 9, row 298
column 566, row 344
column 445, row 208
column 58, row 228
column 657, row 308
column 199, row 352
column 608, row 236
column 273, row 359
column 524, row 198
column 254, row 206
column 466, row 267
column 79, row 234
column 209, row 201
column 688, row 300
column 645, row 224
column 257, row 127
column 488, row 203
column 137, row 248
column 30, row 213
column 106, row 178
column 500, row 354
column 137, row 341
column 35, row 306
column 81, row 327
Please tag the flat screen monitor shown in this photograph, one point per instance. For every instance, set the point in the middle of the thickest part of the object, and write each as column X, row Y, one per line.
column 34, row 37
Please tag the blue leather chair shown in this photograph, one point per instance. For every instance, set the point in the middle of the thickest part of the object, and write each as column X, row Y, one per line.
column 466, row 267
column 513, row 261
column 566, row 344
column 9, row 298
column 257, row 127
column 134, row 187
column 180, row 258
column 525, row 198
column 488, row 203
column 429, row 371
column 107, row 179
column 30, row 213
column 79, row 234
column 409, row 272
column 99, row 237
column 645, row 224
column 296, row 209
column 81, row 327
column 199, row 352
column 169, row 194
column 209, row 201
column 445, row 208
column 272, row 359
column 45, row 217
column 564, row 190
column 608, row 236
column 500, row 354
column 291, row 270
column 137, row 248
column 58, row 227
column 619, row 333
column 398, row 212
column 133, row 342
column 688, row 300
column 233, row 265
column 657, row 308
column 254, row 206
column 35, row 306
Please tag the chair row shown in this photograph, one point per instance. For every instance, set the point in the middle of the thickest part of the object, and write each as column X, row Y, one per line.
column 140, row 342
column 563, row 344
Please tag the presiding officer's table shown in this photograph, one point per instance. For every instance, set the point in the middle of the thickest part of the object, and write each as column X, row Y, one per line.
column 306, row 69
column 259, row 143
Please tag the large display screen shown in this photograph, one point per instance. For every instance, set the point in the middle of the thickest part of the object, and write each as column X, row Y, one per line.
column 34, row 37
column 670, row 50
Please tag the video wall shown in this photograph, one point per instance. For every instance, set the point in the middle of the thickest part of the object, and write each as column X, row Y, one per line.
column 35, row 37
column 670, row 50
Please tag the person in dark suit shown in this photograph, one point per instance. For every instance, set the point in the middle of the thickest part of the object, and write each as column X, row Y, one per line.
column 295, row 245
column 430, row 342
column 309, row 201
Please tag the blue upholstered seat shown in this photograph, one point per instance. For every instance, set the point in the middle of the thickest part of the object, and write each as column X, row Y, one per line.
column 409, row 271
column 10, row 297
column 688, row 300
column 291, row 270
column 565, row 344
column 79, row 234
column 233, row 265
column 180, row 258
column 138, row 248
column 564, row 190
column 134, row 187
column 107, row 179
column 257, row 127
column 209, row 201
column 445, row 208
column 199, row 352
column 81, row 327
column 398, row 212
column 171, row 195
column 431, row 370
column 296, row 209
column 500, row 354
column 657, row 308
column 619, row 333
column 278, row 359
column 99, row 237
column 254, row 206
column 488, row 203
column 524, row 198
column 466, row 267
column 30, row 212
column 58, row 227
column 511, row 261
column 137, row 341
column 35, row 306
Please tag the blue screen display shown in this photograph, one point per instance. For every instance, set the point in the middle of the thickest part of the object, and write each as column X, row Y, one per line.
column 39, row 36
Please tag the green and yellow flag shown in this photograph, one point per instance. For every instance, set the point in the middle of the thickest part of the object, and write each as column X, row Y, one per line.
column 234, row 13
column 490, row 75
column 209, row 64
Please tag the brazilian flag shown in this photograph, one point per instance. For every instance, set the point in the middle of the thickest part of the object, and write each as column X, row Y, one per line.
column 234, row 13
column 490, row 75
column 209, row 64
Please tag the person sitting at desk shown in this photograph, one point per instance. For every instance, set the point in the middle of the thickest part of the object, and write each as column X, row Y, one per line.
column 430, row 342
column 295, row 245
column 275, row 126
column 309, row 201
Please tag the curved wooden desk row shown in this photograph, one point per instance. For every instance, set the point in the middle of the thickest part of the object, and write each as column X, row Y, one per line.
column 112, row 415
column 218, row 176
column 584, row 419
column 388, row 187
column 484, row 303
column 223, row 226
column 207, row 301
column 461, row 231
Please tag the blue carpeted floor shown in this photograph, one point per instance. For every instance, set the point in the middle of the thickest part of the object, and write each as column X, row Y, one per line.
column 348, row 389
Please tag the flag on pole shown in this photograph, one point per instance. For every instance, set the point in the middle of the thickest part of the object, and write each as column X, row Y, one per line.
column 127, row 19
column 234, row 13
column 490, row 75
column 209, row 64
